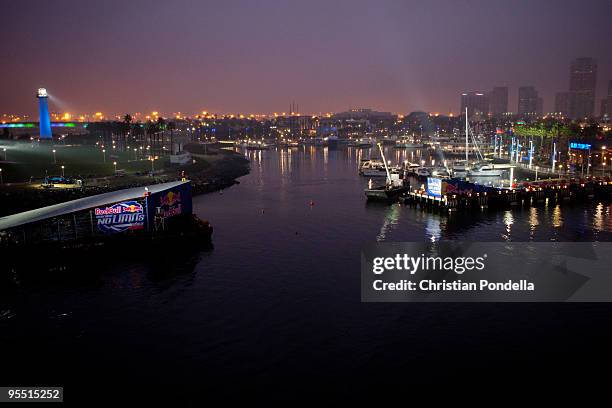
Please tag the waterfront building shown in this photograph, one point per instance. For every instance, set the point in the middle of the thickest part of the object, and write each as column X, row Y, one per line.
column 363, row 114
column 477, row 104
column 498, row 100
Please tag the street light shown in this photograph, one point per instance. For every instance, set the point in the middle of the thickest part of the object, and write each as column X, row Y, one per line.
column 1, row 179
column 54, row 161
column 104, row 155
column 4, row 153
column 536, row 175
column 115, row 165
column 152, row 164
column 62, row 171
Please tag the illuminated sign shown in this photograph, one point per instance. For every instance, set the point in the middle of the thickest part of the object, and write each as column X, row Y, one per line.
column 434, row 186
column 42, row 93
column 580, row 146
column 120, row 217
column 170, row 204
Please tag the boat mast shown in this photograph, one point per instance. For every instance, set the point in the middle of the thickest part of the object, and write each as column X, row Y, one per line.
column 466, row 136
column 385, row 163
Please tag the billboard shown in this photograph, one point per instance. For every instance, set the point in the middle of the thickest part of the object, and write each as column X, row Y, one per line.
column 120, row 217
column 172, row 202
column 434, row 186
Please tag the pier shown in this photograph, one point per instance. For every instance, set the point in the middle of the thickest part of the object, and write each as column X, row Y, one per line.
column 461, row 195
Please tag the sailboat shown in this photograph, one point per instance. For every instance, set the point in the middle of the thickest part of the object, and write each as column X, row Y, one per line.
column 391, row 190
column 482, row 168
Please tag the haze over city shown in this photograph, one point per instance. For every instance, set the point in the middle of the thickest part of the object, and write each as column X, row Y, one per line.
column 258, row 57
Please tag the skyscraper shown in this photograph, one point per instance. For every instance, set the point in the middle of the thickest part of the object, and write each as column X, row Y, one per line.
column 562, row 103
column 477, row 104
column 529, row 102
column 583, row 79
column 498, row 99
column 606, row 103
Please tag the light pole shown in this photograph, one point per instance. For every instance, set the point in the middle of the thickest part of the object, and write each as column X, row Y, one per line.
column 152, row 165
column 104, row 155
column 115, row 165
column 62, row 171
column 536, row 175
column 4, row 153
column 589, row 163
column 54, row 160
column 1, row 179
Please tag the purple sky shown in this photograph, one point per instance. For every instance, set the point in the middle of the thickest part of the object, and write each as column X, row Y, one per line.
column 258, row 56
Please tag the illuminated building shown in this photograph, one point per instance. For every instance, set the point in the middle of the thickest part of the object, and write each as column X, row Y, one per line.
column 44, row 124
column 477, row 104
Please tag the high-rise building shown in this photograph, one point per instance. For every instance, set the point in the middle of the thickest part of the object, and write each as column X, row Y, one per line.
column 606, row 103
column 477, row 104
column 498, row 100
column 583, row 80
column 529, row 102
column 562, row 103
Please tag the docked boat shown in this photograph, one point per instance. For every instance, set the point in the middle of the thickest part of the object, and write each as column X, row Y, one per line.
column 439, row 172
column 331, row 141
column 460, row 168
column 484, row 170
column 423, row 172
column 393, row 188
column 376, row 168
column 408, row 145
column 364, row 143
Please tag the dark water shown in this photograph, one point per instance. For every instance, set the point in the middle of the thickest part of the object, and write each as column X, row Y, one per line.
column 274, row 310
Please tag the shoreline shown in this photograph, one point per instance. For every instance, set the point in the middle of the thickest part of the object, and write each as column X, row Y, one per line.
column 220, row 174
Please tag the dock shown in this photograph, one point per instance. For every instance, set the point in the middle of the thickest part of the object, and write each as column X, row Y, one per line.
column 462, row 195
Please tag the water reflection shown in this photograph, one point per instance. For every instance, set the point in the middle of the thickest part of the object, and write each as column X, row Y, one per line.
column 390, row 221
column 533, row 222
column 508, row 222
column 557, row 217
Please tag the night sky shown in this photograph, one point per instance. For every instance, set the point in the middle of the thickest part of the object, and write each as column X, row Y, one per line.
column 259, row 56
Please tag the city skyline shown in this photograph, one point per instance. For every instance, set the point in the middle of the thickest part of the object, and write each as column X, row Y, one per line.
column 258, row 58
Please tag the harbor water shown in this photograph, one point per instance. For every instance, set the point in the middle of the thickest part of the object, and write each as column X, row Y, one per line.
column 278, row 297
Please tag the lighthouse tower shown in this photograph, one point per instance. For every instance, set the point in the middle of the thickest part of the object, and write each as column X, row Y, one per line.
column 44, row 123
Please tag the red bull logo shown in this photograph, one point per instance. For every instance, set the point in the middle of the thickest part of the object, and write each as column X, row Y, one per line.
column 128, row 215
column 170, row 204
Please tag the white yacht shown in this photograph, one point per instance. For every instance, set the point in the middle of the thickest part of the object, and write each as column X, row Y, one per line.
column 484, row 169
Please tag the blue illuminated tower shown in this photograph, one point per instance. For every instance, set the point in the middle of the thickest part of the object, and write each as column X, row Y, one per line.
column 44, row 123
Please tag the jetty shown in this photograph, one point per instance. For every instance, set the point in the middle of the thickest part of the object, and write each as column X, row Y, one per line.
column 455, row 194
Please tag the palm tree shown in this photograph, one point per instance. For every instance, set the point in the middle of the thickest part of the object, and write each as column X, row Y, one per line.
column 127, row 120
column 171, row 127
